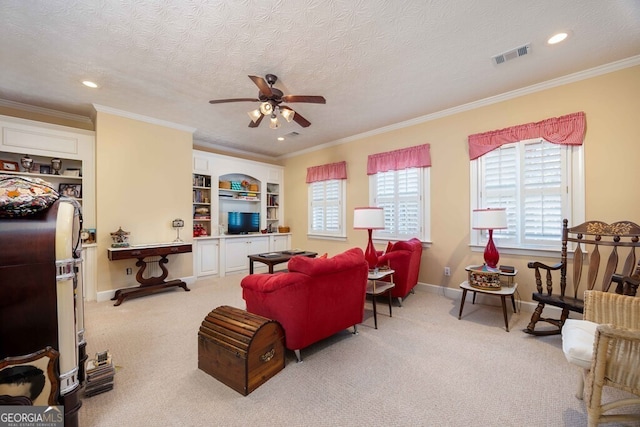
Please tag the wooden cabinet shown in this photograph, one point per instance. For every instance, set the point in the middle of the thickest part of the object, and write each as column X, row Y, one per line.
column 238, row 249
column 262, row 193
column 280, row 242
column 207, row 256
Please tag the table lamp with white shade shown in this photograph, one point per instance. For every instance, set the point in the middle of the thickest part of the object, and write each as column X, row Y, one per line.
column 369, row 218
column 490, row 219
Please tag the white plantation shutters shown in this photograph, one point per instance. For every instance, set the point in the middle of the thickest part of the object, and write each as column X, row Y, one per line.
column 326, row 206
column 326, row 184
column 399, row 193
column 534, row 181
column 534, row 170
column 399, row 183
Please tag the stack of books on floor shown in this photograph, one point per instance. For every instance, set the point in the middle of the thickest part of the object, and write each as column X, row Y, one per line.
column 100, row 373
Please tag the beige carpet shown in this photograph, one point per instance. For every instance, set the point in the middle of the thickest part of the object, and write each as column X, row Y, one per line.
column 422, row 367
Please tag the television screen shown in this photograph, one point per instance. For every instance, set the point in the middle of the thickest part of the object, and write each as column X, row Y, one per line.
column 243, row 222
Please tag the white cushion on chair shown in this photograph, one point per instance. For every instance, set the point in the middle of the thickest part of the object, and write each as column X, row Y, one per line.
column 577, row 341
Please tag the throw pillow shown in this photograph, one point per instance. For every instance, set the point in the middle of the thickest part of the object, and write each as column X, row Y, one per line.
column 389, row 247
column 21, row 196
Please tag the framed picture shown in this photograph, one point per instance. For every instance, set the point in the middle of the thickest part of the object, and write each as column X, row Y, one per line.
column 6, row 165
column 71, row 190
column 33, row 377
column 88, row 235
column 45, row 169
column 71, row 172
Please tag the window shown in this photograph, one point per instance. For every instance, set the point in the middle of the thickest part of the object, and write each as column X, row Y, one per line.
column 539, row 183
column 326, row 208
column 404, row 195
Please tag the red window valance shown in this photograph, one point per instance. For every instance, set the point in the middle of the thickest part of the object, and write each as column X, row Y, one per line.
column 412, row 157
column 326, row 172
column 567, row 130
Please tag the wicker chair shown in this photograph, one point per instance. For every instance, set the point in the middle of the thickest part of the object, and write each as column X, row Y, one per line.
column 614, row 348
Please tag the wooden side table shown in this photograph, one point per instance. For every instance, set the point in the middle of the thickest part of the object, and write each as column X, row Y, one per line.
column 504, row 292
column 151, row 284
column 376, row 287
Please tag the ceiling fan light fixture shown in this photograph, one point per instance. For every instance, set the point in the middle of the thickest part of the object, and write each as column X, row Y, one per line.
column 255, row 115
column 274, row 122
column 266, row 108
column 287, row 114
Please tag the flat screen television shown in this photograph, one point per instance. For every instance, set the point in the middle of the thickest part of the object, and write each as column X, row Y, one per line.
column 243, row 222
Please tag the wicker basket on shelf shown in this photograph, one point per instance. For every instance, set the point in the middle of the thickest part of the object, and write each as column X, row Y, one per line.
column 485, row 280
column 283, row 229
column 224, row 184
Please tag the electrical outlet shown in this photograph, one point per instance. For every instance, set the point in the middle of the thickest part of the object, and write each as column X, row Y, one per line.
column 447, row 271
column 129, row 271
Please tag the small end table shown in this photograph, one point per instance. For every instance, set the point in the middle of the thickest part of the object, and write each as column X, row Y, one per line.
column 377, row 287
column 504, row 292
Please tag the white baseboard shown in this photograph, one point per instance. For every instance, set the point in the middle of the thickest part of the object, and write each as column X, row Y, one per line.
column 107, row 295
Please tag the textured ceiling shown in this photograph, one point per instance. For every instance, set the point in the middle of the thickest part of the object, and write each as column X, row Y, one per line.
column 377, row 62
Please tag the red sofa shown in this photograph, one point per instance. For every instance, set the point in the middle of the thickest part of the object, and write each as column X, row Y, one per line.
column 404, row 257
column 315, row 299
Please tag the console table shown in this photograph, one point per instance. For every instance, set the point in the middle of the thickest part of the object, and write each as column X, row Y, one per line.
column 148, row 285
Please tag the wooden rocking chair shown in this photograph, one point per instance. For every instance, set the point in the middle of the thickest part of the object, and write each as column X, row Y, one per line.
column 589, row 239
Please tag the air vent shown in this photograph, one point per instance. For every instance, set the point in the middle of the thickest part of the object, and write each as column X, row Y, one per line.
column 294, row 133
column 512, row 54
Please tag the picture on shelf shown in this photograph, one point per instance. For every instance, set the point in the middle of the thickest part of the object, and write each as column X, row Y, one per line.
column 71, row 172
column 71, row 190
column 45, row 169
column 9, row 166
column 88, row 236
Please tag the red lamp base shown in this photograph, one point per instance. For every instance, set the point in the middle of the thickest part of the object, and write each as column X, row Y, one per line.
column 491, row 256
column 370, row 254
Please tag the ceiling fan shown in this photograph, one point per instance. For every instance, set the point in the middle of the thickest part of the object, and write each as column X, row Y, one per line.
column 270, row 99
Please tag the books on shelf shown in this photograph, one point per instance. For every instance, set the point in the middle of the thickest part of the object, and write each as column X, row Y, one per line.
column 100, row 373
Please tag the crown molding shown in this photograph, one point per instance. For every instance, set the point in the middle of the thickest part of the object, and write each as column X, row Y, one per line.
column 205, row 145
column 45, row 111
column 141, row 118
column 560, row 81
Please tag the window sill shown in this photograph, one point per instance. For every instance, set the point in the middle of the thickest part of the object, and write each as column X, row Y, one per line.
column 327, row 237
column 548, row 253
column 425, row 244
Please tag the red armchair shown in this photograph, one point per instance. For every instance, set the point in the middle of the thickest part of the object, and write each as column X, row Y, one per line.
column 404, row 257
column 313, row 300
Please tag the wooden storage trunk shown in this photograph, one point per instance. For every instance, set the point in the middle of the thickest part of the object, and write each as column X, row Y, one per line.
column 240, row 349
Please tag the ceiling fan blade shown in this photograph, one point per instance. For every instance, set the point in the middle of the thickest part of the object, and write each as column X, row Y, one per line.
column 255, row 124
column 305, row 98
column 298, row 118
column 222, row 101
column 262, row 85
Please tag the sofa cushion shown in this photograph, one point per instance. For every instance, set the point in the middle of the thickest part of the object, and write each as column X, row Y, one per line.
column 577, row 341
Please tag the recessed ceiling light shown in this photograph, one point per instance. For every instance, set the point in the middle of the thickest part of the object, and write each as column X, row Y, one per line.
column 281, row 138
column 557, row 38
column 90, row 84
